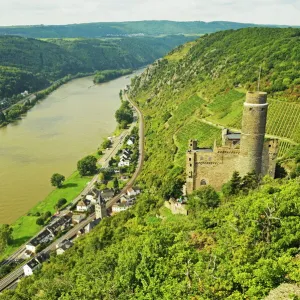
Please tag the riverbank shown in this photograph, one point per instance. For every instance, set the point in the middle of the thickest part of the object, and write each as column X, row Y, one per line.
column 25, row 227
column 15, row 111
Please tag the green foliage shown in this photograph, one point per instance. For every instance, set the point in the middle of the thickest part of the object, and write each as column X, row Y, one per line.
column 5, row 236
column 203, row 198
column 40, row 221
column 104, row 76
column 106, row 144
column 241, row 249
column 61, row 202
column 124, row 114
column 87, row 165
column 57, row 180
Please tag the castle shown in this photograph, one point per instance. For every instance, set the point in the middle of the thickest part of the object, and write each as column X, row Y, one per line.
column 244, row 152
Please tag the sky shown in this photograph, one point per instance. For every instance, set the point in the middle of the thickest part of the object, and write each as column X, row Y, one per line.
column 30, row 12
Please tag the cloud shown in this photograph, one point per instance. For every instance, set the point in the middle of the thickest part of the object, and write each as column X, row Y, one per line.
column 16, row 12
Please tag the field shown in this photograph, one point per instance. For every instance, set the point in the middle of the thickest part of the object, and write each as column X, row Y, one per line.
column 25, row 227
column 284, row 120
column 195, row 129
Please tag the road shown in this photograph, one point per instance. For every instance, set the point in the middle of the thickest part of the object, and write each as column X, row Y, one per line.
column 18, row 272
column 138, row 170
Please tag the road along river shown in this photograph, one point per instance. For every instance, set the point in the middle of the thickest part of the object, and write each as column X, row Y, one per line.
column 53, row 136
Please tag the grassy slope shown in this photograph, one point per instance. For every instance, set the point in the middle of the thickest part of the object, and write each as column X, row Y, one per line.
column 25, row 227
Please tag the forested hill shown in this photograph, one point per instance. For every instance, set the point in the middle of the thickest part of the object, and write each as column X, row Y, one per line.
column 109, row 29
column 201, row 86
column 30, row 64
column 234, row 246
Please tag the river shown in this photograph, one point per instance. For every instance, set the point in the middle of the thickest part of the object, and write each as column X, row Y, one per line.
column 67, row 125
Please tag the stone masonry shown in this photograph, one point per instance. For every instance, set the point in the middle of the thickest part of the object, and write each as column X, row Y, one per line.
column 244, row 152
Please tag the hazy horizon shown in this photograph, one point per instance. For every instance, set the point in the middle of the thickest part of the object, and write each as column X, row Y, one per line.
column 57, row 12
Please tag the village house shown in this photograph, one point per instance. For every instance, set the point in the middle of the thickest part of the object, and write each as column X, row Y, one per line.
column 118, row 207
column 124, row 163
column 133, row 191
column 131, row 141
column 63, row 246
column 83, row 205
column 60, row 224
column 78, row 218
column 91, row 225
column 44, row 237
column 107, row 194
column 35, row 263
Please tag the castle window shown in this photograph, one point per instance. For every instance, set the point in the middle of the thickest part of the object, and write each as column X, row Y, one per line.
column 203, row 182
column 190, row 165
column 201, row 158
column 190, row 159
column 209, row 159
column 250, row 108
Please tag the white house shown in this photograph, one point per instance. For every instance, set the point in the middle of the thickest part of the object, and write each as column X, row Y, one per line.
column 44, row 237
column 62, row 247
column 131, row 141
column 116, row 208
column 25, row 93
column 83, row 205
column 133, row 191
column 34, row 264
column 124, row 163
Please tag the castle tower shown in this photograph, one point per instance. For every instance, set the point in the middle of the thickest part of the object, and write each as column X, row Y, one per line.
column 253, row 132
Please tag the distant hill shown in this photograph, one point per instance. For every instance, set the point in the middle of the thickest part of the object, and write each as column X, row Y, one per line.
column 111, row 29
column 31, row 64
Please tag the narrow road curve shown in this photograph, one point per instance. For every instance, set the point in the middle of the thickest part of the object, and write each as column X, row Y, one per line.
column 18, row 272
column 138, row 170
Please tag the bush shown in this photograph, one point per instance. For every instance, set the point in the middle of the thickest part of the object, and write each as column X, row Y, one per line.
column 40, row 221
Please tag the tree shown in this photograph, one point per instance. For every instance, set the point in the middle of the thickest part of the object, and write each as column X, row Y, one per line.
column 250, row 182
column 61, row 202
column 203, row 198
column 116, row 183
column 87, row 165
column 2, row 117
column 57, row 180
column 5, row 236
column 106, row 144
column 234, row 186
column 40, row 221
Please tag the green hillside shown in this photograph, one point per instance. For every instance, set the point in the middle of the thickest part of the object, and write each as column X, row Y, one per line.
column 111, row 29
column 229, row 247
column 30, row 64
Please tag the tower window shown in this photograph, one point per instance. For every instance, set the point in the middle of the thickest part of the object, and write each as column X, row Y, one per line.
column 203, row 182
column 190, row 159
column 191, row 165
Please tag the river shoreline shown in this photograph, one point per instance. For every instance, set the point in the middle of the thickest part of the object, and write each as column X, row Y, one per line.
column 24, row 226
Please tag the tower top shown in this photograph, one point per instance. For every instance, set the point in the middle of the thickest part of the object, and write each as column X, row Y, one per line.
column 256, row 97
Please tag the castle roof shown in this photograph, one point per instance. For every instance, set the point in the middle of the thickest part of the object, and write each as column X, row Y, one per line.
column 204, row 150
column 234, row 136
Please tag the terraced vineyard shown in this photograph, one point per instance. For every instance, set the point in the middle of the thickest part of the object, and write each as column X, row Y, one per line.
column 284, row 120
column 283, row 148
column 195, row 129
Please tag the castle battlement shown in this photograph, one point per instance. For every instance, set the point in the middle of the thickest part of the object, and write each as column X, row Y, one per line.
column 244, row 152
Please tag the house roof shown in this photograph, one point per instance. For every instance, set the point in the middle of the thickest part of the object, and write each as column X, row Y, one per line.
column 60, row 222
column 66, row 245
column 37, row 240
column 33, row 263
column 107, row 193
column 234, row 136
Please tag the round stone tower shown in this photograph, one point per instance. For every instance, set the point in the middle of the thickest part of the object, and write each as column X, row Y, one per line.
column 253, row 132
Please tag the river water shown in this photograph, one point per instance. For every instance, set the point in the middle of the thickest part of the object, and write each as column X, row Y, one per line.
column 55, row 134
